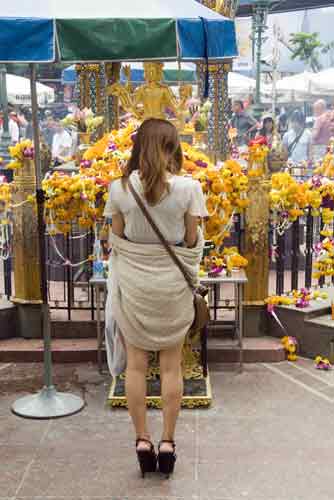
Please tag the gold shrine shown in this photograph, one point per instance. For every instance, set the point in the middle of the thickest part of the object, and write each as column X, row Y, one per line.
column 153, row 98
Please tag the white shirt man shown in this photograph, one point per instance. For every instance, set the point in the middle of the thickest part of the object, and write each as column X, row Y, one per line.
column 61, row 144
column 13, row 130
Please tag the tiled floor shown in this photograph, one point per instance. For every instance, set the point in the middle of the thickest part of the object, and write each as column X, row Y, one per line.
column 268, row 436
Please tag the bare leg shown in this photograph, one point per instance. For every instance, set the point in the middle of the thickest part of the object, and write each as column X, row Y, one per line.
column 171, row 390
column 135, row 386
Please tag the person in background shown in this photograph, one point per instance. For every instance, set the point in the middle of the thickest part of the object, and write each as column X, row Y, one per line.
column 249, row 104
column 282, row 122
column 48, row 128
column 61, row 143
column 298, row 140
column 28, row 131
column 321, row 130
column 14, row 129
column 267, row 130
column 243, row 123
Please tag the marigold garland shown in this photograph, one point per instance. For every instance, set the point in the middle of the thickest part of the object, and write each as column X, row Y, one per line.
column 80, row 198
column 22, row 151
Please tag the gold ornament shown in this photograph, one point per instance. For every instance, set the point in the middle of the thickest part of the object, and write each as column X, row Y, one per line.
column 151, row 99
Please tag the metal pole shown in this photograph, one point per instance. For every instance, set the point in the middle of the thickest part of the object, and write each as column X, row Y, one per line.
column 5, row 139
column 259, row 31
column 259, row 27
column 276, row 60
column 48, row 403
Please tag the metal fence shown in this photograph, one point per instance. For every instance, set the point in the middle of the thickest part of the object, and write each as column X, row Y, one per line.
column 69, row 269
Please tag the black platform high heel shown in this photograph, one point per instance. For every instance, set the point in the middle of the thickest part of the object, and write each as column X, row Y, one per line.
column 167, row 459
column 147, row 458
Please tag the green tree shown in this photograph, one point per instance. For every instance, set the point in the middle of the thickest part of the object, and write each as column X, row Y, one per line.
column 306, row 47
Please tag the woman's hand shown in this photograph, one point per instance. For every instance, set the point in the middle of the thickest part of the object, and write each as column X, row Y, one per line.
column 117, row 225
column 191, row 225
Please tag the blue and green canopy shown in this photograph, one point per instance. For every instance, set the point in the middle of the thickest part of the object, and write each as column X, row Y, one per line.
column 117, row 30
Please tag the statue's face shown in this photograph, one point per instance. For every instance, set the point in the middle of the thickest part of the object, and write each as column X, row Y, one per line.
column 153, row 72
column 185, row 91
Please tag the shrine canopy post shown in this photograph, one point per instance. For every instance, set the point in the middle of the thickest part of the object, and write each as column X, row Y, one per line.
column 246, row 6
column 30, row 39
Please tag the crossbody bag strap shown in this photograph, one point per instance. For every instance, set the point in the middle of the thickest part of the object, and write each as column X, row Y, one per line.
column 157, row 231
column 295, row 142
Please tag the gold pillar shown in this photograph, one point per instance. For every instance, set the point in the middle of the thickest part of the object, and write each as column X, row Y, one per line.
column 256, row 242
column 25, row 238
column 113, row 73
column 91, row 87
column 218, row 138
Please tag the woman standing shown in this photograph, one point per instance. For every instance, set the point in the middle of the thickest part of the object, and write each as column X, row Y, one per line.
column 267, row 130
column 151, row 301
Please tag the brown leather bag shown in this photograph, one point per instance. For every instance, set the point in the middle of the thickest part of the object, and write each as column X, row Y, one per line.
column 202, row 312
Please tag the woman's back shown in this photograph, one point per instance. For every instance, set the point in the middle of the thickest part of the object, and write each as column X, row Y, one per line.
column 185, row 196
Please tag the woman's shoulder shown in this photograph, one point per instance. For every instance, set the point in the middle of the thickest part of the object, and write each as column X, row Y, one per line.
column 115, row 185
column 186, row 183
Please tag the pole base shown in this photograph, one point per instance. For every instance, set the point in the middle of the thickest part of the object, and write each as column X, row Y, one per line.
column 48, row 403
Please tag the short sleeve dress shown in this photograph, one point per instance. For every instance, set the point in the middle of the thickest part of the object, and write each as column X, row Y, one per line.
column 185, row 197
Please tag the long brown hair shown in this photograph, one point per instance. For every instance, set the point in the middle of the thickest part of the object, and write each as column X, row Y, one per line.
column 156, row 152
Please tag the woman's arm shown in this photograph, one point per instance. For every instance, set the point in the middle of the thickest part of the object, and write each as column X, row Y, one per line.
column 117, row 225
column 191, row 225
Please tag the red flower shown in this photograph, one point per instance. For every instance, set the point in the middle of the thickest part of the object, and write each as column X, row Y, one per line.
column 259, row 141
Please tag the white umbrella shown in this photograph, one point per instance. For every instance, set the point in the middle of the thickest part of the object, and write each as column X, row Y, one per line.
column 240, row 84
column 296, row 87
column 18, row 90
column 323, row 82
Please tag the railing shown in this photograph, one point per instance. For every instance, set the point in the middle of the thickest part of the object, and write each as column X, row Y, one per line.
column 295, row 255
column 6, row 278
column 69, row 270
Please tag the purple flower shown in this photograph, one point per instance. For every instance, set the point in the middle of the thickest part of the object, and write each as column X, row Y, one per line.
column 318, row 247
column 316, row 181
column 28, row 153
column 112, row 147
column 328, row 202
column 301, row 303
column 201, row 163
column 285, row 214
column 133, row 136
column 85, row 163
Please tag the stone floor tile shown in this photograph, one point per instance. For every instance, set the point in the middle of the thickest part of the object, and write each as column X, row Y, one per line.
column 14, row 461
column 108, row 437
column 264, row 393
column 229, row 437
column 20, row 431
column 191, row 497
column 87, row 477
column 279, row 479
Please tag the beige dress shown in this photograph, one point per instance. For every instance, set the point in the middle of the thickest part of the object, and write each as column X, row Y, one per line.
column 150, row 299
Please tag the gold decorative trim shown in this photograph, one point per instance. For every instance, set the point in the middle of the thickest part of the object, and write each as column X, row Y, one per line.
column 254, row 303
column 190, row 402
column 17, row 300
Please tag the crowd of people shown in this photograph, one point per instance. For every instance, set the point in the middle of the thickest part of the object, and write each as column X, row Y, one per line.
column 61, row 141
column 303, row 139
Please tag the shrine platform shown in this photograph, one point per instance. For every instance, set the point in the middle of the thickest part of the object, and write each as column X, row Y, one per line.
column 82, row 350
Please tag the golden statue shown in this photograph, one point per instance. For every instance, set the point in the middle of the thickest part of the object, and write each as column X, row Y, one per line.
column 150, row 100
